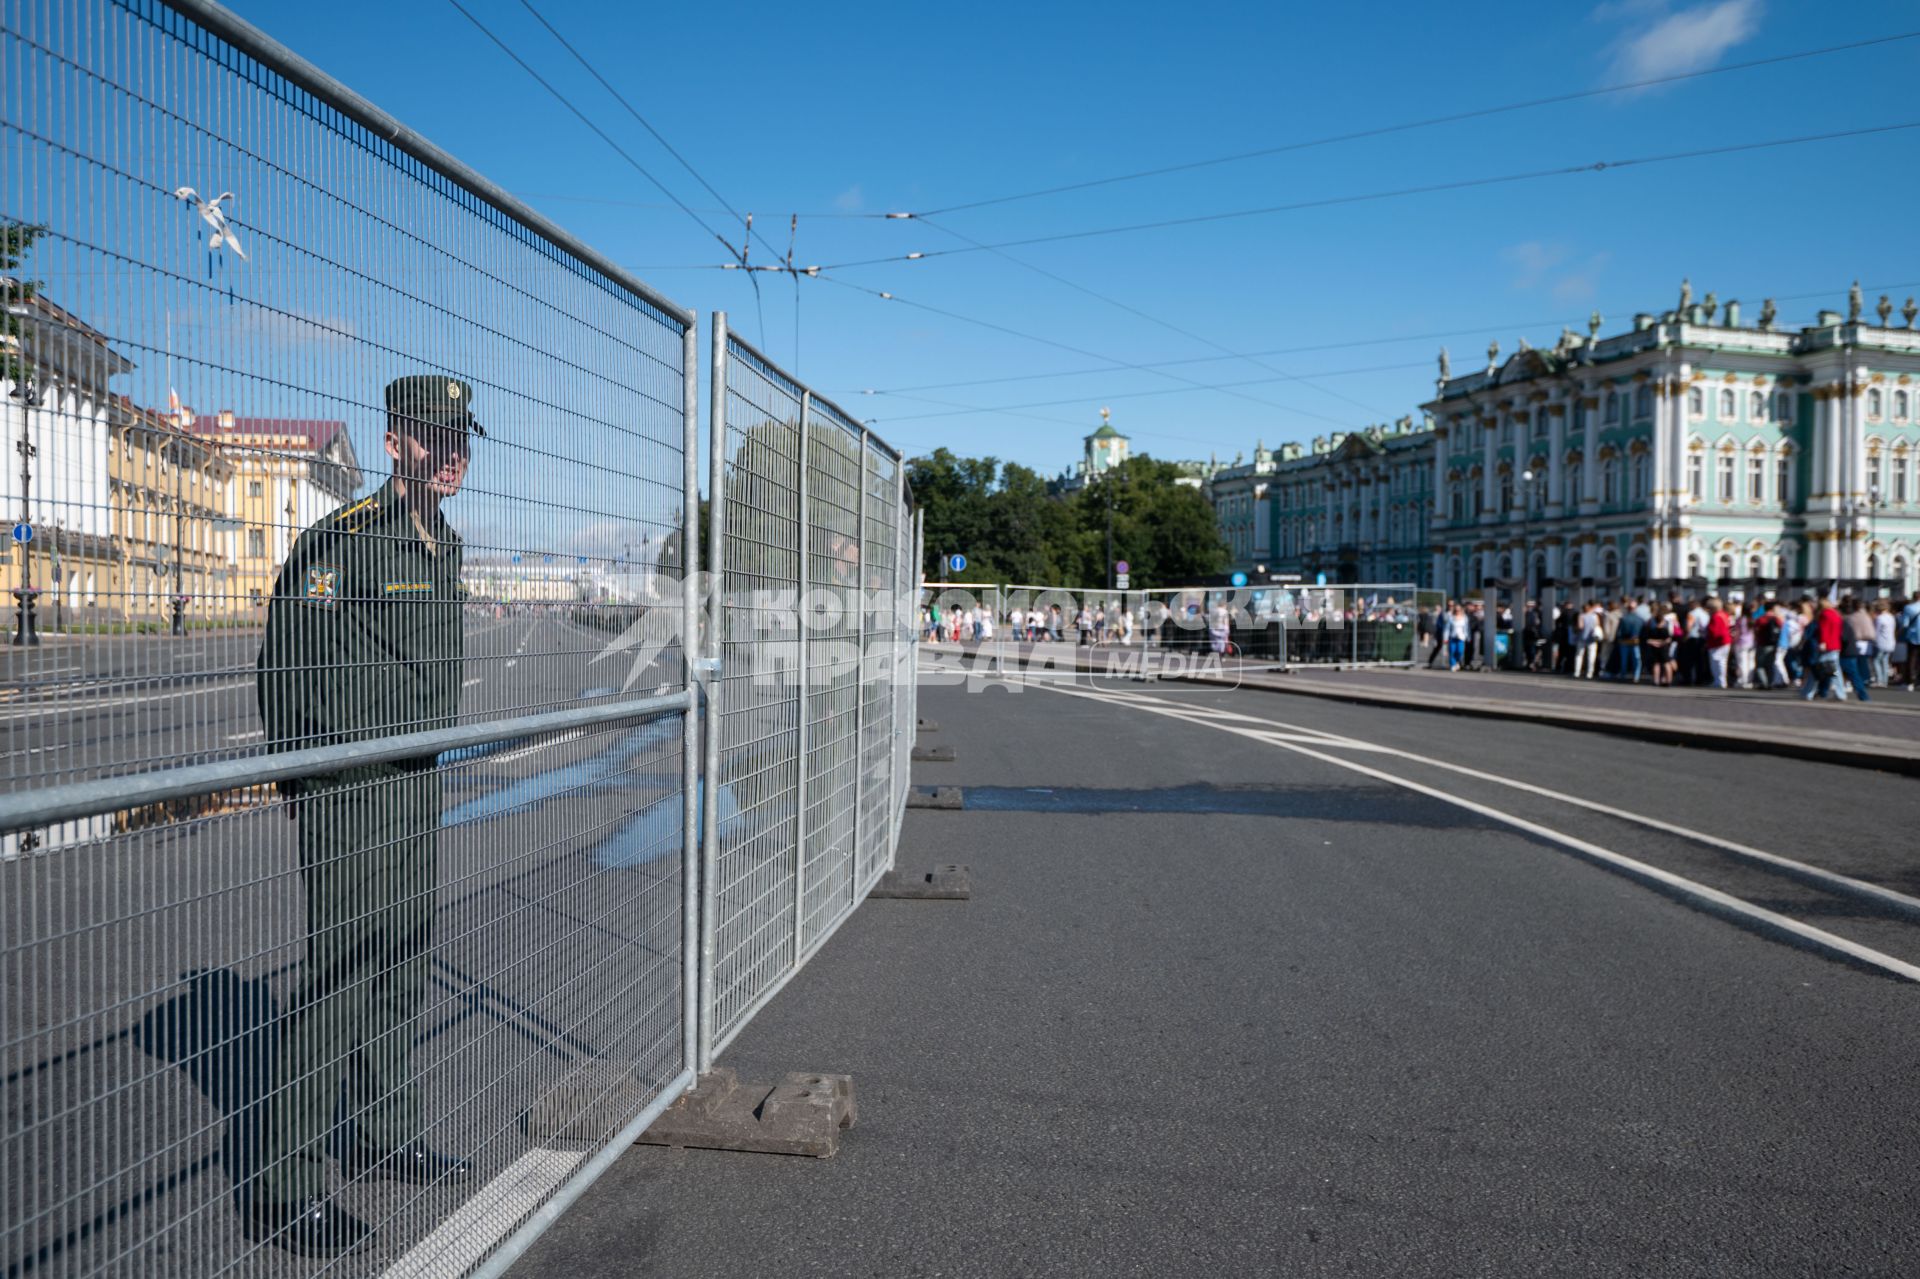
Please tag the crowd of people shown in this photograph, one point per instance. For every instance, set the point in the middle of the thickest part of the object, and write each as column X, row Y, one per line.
column 1821, row 647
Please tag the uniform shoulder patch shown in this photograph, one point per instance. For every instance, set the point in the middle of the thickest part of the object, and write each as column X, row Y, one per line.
column 322, row 586
column 352, row 519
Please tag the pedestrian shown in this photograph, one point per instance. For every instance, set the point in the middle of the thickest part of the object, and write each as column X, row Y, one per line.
column 364, row 638
column 1856, row 652
column 1056, row 623
column 1909, row 633
column 1656, row 643
column 1744, row 644
column 1434, row 630
column 1587, row 642
column 1719, row 641
column 1457, row 632
column 1826, row 634
column 1766, row 646
column 1632, row 628
column 1885, row 638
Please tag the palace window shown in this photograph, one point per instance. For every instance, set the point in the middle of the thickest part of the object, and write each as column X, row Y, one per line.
column 1782, row 478
column 1874, row 402
column 1876, row 475
column 257, row 543
column 1728, row 410
column 1643, row 403
column 1756, row 478
column 1696, row 477
column 1610, row 482
column 1900, row 403
column 1696, row 402
column 1756, row 406
column 1900, row 473
column 1613, row 407
column 1783, row 406
column 1723, row 473
column 1642, row 476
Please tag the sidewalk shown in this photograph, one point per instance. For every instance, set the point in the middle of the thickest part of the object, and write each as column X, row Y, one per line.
column 1883, row 734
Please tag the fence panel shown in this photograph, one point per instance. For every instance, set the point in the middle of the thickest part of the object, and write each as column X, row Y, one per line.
column 813, row 636
column 376, row 632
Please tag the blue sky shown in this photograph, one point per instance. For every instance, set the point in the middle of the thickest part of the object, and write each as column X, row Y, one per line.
column 849, row 109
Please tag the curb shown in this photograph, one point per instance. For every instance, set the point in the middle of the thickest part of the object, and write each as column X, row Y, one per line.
column 1807, row 744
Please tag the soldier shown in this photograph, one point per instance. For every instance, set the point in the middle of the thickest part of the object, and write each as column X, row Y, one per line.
column 364, row 641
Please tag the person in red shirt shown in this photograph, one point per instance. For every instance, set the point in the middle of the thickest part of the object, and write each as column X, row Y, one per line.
column 1828, row 633
column 1719, row 640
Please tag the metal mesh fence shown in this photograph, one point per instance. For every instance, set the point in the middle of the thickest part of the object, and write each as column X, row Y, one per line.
column 343, row 861
column 813, row 634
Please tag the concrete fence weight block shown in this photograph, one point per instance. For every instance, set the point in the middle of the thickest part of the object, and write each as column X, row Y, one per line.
column 803, row 1114
column 943, row 883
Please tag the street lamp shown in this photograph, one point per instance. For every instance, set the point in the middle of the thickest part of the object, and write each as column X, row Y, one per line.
column 1869, row 506
column 24, row 631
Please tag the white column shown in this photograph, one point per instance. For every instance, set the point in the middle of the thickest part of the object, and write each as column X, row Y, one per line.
column 1854, row 490
column 1489, row 460
column 1557, row 424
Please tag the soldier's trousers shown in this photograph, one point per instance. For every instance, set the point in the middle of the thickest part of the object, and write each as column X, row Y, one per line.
column 367, row 858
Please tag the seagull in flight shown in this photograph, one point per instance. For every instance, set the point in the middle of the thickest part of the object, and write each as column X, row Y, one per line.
column 214, row 216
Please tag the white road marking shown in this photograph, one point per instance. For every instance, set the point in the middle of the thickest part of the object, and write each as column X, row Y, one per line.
column 476, row 1227
column 72, row 705
column 35, row 750
column 1833, row 881
column 469, row 683
column 1819, row 938
column 246, row 737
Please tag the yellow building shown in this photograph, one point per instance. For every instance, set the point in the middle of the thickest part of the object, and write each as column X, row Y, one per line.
column 172, row 494
column 288, row 472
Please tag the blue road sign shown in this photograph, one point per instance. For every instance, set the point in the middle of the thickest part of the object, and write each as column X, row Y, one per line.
column 1320, row 579
column 955, row 563
column 1121, row 566
column 23, row 532
column 1239, row 579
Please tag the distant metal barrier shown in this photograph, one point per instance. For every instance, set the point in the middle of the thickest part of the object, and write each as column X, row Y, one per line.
column 812, row 617
column 351, row 816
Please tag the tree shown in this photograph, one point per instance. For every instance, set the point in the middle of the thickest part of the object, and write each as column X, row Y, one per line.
column 1001, row 517
column 16, row 241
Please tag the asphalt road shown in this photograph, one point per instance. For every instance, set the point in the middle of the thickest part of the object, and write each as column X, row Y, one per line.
column 1223, row 1005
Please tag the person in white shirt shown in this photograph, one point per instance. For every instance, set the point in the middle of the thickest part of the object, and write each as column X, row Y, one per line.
column 1588, row 639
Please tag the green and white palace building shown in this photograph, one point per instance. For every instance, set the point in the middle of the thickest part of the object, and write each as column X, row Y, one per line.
column 1691, row 448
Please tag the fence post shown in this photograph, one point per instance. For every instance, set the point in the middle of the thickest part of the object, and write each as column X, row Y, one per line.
column 860, row 667
column 709, row 787
column 806, row 677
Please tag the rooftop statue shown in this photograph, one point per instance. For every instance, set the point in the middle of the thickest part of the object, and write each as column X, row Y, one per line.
column 1910, row 310
column 1686, row 294
column 1885, row 309
column 1446, row 365
column 1493, row 354
column 1767, row 314
column 1853, row 303
column 1710, row 304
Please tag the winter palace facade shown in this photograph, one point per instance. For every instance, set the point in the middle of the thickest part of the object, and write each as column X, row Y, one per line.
column 1689, row 447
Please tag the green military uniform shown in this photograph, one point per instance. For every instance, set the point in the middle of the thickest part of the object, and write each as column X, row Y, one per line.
column 363, row 641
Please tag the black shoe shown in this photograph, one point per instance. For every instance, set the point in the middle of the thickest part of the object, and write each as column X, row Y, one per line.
column 414, row 1162
column 311, row 1227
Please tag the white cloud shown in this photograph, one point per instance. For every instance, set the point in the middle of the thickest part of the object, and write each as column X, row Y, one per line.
column 1540, row 265
column 850, row 200
column 1533, row 260
column 1681, row 41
